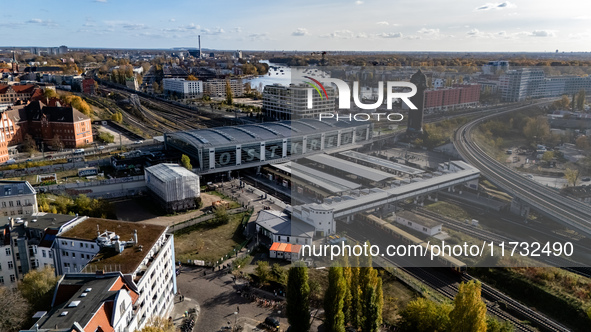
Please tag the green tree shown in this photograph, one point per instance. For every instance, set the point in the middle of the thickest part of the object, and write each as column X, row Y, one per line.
column 355, row 288
column 105, row 137
column 229, row 99
column 14, row 310
column 372, row 302
column 571, row 176
column 298, row 302
column 186, row 162
column 493, row 325
column 536, row 129
column 422, row 315
column 580, row 100
column 37, row 287
column 561, row 104
column 50, row 93
column 78, row 103
column 221, row 215
column 56, row 143
column 548, row 156
column 334, row 300
column 469, row 313
column 262, row 271
column 279, row 273
column 29, row 145
column 348, row 300
column 117, row 117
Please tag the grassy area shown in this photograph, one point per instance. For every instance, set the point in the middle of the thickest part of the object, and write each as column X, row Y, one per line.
column 448, row 210
column 396, row 296
column 561, row 295
column 207, row 241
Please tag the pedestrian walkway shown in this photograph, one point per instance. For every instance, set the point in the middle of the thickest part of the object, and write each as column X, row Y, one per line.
column 183, row 308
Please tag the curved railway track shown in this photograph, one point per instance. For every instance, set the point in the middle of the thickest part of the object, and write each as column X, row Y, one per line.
column 567, row 211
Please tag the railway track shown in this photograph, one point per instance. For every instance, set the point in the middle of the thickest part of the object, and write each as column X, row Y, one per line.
column 446, row 284
column 567, row 211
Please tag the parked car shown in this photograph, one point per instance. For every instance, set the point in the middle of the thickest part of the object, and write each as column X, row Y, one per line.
column 101, row 147
column 78, row 151
column 272, row 323
column 49, row 157
column 138, row 142
column 586, row 179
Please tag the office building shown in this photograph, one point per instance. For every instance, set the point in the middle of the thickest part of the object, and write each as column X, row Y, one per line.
column 291, row 102
column 182, row 87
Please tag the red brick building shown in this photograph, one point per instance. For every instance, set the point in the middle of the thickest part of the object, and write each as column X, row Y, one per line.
column 88, row 85
column 45, row 124
column 12, row 93
column 458, row 96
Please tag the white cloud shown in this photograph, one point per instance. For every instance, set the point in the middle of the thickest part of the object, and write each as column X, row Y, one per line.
column 383, row 23
column 47, row 23
column 359, row 2
column 390, row 35
column 216, row 31
column 500, row 5
column 300, row 32
column 133, row 26
column 542, row 33
column 172, row 20
column 340, row 34
column 101, row 1
column 429, row 32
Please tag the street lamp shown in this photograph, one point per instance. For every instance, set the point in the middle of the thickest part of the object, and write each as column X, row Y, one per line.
column 235, row 319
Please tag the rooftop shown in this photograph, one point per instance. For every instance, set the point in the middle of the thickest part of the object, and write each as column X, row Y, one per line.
column 13, row 188
column 167, row 172
column 100, row 292
column 423, row 221
column 365, row 172
column 329, row 182
column 382, row 162
column 223, row 136
column 130, row 258
column 280, row 223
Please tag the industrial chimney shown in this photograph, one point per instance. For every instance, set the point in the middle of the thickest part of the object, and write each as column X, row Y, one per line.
column 199, row 36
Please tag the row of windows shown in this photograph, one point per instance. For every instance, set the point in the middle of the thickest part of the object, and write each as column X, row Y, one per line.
column 67, row 254
column 18, row 203
column 12, row 279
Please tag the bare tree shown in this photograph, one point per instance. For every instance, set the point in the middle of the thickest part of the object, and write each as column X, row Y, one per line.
column 14, row 310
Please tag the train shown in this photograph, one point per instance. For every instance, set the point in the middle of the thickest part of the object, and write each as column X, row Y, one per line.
column 453, row 263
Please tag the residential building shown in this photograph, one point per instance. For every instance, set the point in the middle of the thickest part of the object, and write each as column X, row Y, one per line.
column 517, row 85
column 88, row 86
column 91, row 302
column 182, row 87
column 144, row 254
column 26, row 244
column 17, row 198
column 495, row 67
column 217, row 87
column 458, row 96
column 286, row 103
column 12, row 93
column 173, row 186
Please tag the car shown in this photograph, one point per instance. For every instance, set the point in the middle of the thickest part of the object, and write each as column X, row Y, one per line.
column 49, row 157
column 29, row 159
column 138, row 142
column 10, row 162
column 272, row 322
column 529, row 176
column 586, row 179
column 78, row 151
column 101, row 147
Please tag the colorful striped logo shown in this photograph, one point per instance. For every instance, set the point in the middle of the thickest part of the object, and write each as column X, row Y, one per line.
column 316, row 87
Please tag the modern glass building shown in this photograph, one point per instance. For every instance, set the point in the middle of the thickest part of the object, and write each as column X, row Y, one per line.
column 220, row 149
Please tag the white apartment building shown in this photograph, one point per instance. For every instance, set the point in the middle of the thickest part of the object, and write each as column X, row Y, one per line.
column 217, row 87
column 26, row 244
column 144, row 254
column 17, row 198
column 286, row 103
column 180, row 86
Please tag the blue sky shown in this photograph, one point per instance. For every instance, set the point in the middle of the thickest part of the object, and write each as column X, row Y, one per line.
column 363, row 25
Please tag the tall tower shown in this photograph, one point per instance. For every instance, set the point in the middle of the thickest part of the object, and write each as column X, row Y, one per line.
column 14, row 62
column 199, row 36
column 415, row 117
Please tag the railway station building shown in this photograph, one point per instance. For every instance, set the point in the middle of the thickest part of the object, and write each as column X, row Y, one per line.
column 223, row 149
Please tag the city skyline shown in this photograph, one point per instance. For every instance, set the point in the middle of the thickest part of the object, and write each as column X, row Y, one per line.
column 477, row 26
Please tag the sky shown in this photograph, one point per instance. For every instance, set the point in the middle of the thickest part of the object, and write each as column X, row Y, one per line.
column 303, row 25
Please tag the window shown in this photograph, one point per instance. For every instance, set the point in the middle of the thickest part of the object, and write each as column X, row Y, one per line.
column 12, row 278
column 43, row 252
column 3, row 204
column 10, row 265
column 18, row 202
column 11, row 203
column 7, row 251
column 74, row 255
column 1, row 280
column 81, row 245
column 50, row 253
